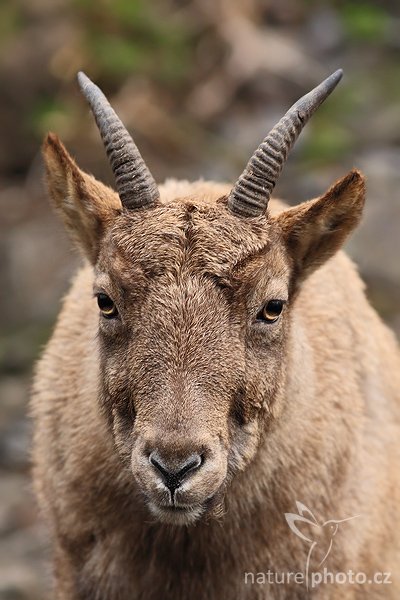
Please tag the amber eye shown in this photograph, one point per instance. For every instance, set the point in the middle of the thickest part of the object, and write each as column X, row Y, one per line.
column 270, row 311
column 107, row 306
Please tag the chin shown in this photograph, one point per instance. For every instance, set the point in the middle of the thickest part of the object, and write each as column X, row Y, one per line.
column 176, row 515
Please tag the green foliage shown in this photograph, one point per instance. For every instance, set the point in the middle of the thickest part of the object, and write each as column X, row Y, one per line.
column 364, row 21
column 326, row 144
column 330, row 137
column 388, row 81
column 49, row 114
column 10, row 21
column 131, row 36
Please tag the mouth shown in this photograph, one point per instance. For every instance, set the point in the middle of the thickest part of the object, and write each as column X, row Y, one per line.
column 175, row 514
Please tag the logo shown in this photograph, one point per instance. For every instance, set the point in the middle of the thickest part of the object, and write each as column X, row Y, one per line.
column 320, row 536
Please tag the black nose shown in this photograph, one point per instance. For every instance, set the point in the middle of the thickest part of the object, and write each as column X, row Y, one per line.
column 173, row 477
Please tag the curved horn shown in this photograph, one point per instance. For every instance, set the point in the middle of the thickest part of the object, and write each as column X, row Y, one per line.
column 251, row 193
column 135, row 184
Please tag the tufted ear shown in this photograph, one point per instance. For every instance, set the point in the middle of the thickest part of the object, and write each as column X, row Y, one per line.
column 313, row 231
column 87, row 206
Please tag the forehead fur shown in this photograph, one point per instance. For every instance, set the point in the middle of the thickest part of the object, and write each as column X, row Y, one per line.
column 190, row 230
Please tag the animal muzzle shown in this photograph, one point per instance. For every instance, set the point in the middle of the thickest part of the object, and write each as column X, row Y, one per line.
column 174, row 473
column 179, row 477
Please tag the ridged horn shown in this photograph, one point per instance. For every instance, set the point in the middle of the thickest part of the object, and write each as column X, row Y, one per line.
column 135, row 184
column 251, row 193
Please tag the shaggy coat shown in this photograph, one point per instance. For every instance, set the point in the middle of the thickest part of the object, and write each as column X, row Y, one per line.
column 300, row 408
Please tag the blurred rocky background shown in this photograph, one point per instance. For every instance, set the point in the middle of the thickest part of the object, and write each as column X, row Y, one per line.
column 198, row 82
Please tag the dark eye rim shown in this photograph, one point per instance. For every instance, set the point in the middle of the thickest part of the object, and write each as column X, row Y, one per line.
column 108, row 310
column 261, row 316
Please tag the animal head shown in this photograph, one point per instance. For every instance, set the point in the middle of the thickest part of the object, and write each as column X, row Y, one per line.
column 194, row 286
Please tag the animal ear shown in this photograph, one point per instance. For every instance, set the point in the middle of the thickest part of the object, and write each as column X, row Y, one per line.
column 87, row 206
column 315, row 230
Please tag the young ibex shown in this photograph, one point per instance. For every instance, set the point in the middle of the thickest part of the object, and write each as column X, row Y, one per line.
column 232, row 370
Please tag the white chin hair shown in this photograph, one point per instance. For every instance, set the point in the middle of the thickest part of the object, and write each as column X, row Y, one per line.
column 178, row 517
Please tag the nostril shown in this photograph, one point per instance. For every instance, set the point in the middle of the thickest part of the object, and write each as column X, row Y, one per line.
column 156, row 462
column 193, row 462
column 173, row 476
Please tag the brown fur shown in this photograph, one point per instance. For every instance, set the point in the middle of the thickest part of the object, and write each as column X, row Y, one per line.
column 303, row 409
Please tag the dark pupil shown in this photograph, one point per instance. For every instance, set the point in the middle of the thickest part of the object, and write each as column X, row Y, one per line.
column 105, row 303
column 274, row 307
